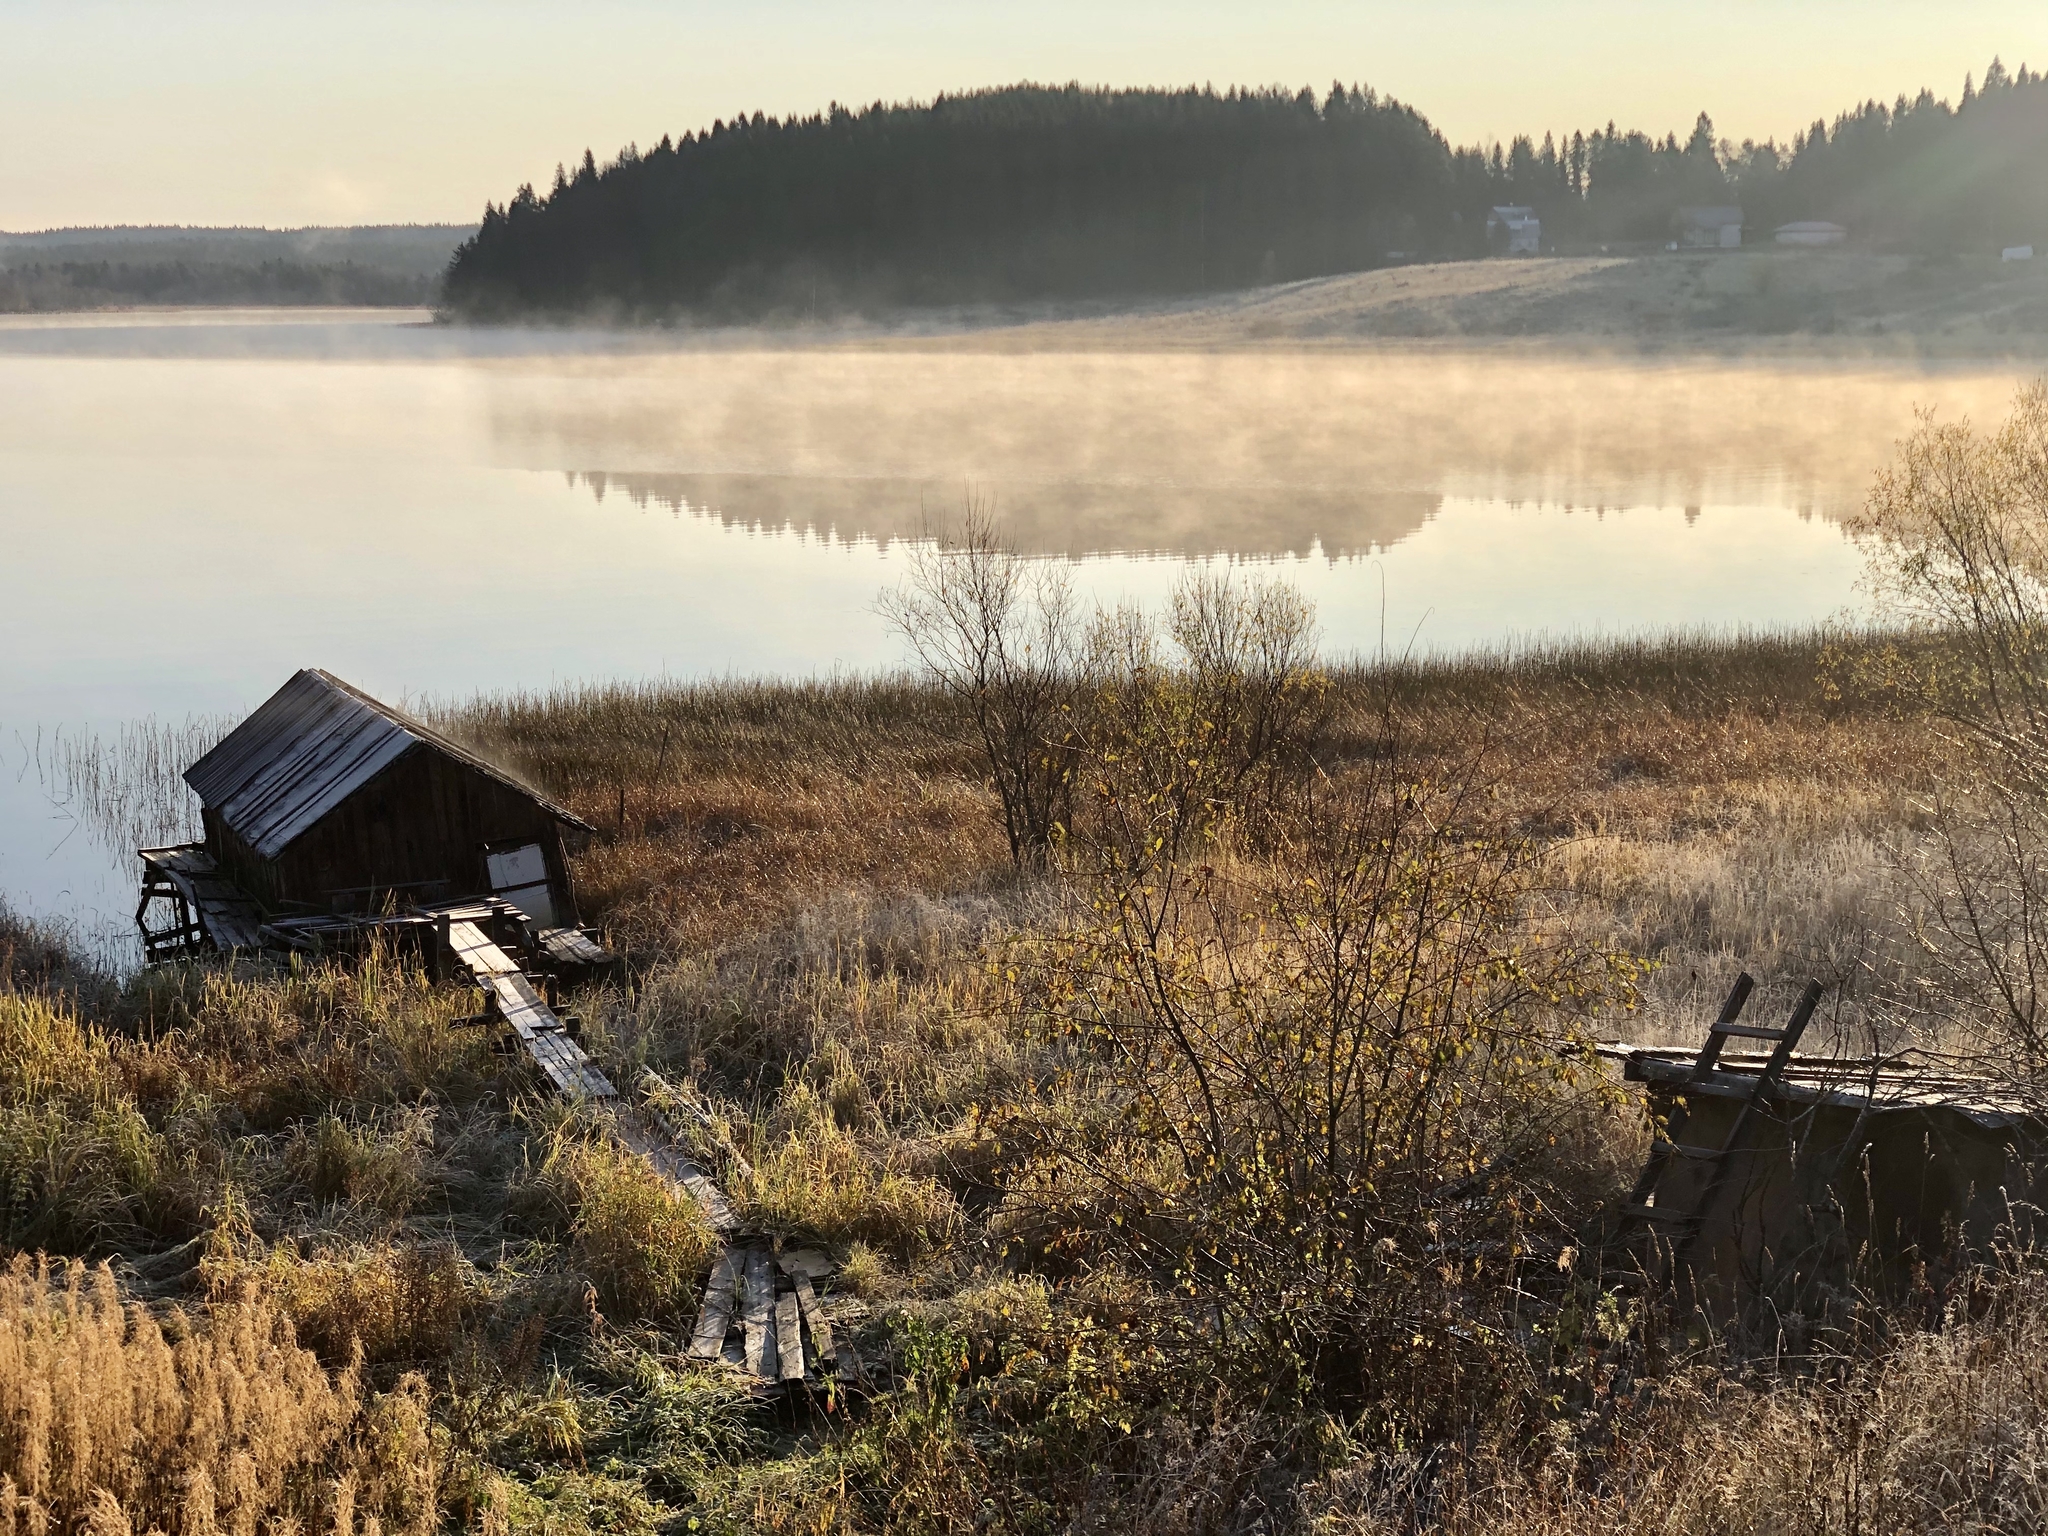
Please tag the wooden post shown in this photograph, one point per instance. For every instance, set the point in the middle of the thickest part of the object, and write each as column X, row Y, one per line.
column 443, row 946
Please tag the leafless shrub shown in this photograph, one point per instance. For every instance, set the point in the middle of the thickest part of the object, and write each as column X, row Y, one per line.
column 1002, row 634
column 1956, row 536
column 1313, row 1075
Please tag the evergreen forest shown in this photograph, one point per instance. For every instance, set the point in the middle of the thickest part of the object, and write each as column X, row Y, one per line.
column 1035, row 192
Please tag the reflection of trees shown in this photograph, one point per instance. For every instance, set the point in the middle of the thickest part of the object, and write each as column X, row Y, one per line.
column 1046, row 518
column 1114, row 450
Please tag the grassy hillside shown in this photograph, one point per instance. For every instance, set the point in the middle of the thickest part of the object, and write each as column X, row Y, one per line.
column 1809, row 303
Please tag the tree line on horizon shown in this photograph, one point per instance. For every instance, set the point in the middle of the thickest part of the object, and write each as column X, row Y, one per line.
column 54, row 286
column 1035, row 192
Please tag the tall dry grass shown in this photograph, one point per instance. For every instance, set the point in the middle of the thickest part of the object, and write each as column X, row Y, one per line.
column 1945, row 1431
column 819, row 894
column 113, row 1419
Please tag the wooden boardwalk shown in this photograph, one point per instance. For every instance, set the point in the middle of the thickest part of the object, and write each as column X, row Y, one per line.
column 761, row 1312
column 532, row 1020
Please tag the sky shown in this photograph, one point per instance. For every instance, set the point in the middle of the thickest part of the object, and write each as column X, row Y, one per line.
column 294, row 112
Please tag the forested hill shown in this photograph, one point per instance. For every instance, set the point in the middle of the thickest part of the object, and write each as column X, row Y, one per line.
column 1007, row 193
column 1035, row 192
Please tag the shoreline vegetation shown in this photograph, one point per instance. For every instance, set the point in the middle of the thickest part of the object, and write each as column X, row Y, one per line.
column 1769, row 305
column 471, row 1309
column 1182, row 1048
column 63, row 270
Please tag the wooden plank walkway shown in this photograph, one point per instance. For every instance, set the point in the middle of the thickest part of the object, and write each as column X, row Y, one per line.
column 758, row 1312
column 761, row 1312
column 532, row 1020
column 638, row 1134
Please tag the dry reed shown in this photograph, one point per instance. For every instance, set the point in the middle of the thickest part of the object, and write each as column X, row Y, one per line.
column 111, row 1418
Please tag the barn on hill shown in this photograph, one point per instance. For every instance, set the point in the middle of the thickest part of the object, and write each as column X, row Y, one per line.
column 326, row 800
column 1707, row 229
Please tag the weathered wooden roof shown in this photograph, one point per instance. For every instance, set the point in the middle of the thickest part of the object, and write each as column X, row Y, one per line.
column 1907, row 1080
column 306, row 749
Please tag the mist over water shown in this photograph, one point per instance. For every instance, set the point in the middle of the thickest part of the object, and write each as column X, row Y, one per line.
column 198, row 504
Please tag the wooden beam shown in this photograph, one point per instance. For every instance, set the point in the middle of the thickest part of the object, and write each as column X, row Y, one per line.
column 714, row 1316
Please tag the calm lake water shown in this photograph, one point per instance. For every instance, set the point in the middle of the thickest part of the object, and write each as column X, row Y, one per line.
column 195, row 505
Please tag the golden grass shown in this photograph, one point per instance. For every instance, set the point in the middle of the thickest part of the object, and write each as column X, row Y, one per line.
column 811, row 1177
column 111, row 1419
column 645, row 1247
column 1713, row 803
column 815, row 881
column 1944, row 1431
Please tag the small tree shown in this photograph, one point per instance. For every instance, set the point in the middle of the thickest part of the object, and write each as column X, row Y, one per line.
column 1955, row 535
column 1003, row 635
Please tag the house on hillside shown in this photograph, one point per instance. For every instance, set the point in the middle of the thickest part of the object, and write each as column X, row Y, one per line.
column 1514, row 231
column 1706, row 229
column 1810, row 232
column 326, row 800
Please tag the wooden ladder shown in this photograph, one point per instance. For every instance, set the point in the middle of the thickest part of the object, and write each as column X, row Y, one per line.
column 1642, row 1207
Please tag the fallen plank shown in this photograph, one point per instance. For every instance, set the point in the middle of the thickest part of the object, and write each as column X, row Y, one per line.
column 814, row 1318
column 789, row 1337
column 225, row 913
column 638, row 1133
column 714, row 1317
column 758, row 1314
column 661, row 1097
column 569, row 946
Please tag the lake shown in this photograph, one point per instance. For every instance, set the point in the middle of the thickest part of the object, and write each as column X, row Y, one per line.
column 197, row 504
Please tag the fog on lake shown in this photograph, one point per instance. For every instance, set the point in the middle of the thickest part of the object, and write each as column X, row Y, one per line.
column 198, row 504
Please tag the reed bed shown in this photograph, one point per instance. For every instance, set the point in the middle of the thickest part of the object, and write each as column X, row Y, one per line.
column 113, row 1419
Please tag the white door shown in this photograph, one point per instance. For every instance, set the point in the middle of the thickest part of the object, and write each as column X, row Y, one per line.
column 520, row 876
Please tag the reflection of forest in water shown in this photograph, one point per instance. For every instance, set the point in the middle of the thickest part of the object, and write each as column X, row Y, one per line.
column 1042, row 519
column 1189, row 454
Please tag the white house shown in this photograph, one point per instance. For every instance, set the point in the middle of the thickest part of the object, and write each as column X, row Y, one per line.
column 1524, row 230
column 1811, row 232
column 1709, row 228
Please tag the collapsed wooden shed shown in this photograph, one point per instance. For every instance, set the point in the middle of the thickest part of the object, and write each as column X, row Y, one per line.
column 327, row 800
column 1785, row 1184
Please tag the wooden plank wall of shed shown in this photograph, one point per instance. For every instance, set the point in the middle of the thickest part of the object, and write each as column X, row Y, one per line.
column 238, row 860
column 1904, row 1183
column 426, row 817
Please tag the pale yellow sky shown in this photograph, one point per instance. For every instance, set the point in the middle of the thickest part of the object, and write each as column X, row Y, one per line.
column 317, row 111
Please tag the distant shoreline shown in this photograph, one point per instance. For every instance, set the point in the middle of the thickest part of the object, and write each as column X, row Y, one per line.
column 1752, row 301
column 1761, row 305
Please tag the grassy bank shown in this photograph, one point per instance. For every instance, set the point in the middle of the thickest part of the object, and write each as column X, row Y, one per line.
column 886, row 1028
column 1715, row 799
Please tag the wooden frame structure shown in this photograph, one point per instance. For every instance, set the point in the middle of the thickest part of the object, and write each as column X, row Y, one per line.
column 209, row 912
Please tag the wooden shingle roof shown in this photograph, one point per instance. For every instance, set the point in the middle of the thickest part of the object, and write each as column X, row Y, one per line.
column 310, row 746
